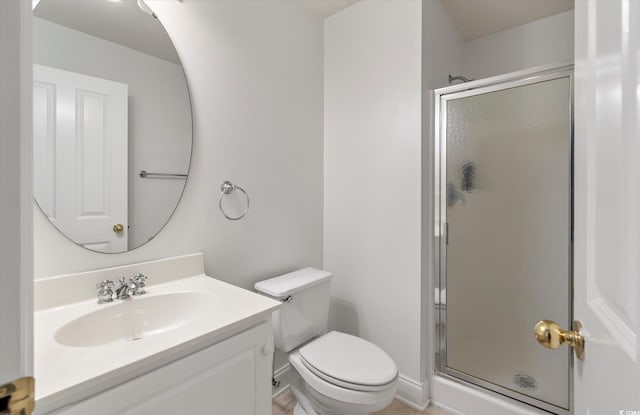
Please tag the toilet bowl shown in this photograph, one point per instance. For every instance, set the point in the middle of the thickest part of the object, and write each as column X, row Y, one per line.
column 338, row 373
column 344, row 374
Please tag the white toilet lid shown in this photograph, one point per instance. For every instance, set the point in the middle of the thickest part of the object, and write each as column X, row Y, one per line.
column 349, row 359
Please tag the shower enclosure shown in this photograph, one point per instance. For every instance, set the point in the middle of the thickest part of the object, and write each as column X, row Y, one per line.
column 503, row 150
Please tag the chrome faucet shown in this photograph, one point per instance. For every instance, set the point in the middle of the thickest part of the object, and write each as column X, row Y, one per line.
column 122, row 292
column 135, row 286
column 105, row 291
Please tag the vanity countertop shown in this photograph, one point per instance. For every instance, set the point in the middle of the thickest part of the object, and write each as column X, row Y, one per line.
column 71, row 368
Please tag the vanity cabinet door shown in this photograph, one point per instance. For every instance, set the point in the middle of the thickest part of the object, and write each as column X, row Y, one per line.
column 232, row 377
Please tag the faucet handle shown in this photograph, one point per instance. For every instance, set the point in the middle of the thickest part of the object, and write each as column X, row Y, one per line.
column 106, row 284
column 139, row 281
column 105, row 292
column 139, row 277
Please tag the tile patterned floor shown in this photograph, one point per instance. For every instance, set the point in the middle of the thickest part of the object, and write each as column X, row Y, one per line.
column 283, row 405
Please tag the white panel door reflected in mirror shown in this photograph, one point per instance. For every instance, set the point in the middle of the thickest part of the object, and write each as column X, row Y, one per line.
column 81, row 184
column 84, row 171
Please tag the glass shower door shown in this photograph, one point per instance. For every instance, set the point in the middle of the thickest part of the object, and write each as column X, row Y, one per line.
column 505, row 185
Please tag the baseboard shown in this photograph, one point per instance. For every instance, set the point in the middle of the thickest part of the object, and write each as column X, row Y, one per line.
column 413, row 393
column 283, row 376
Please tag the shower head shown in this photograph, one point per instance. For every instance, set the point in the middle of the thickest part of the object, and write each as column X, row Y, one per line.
column 458, row 78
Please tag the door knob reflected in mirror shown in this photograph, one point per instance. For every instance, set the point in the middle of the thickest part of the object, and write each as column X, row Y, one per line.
column 550, row 335
column 117, row 228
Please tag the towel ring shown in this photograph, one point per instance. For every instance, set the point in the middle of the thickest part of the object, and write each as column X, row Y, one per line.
column 227, row 187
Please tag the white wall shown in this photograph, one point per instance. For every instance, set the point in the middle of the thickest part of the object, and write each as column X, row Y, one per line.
column 255, row 73
column 442, row 46
column 545, row 41
column 159, row 116
column 372, row 148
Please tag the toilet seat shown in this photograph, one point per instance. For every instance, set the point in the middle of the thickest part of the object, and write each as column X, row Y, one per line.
column 316, row 385
column 349, row 362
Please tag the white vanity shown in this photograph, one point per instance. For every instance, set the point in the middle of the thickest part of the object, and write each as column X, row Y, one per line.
column 191, row 344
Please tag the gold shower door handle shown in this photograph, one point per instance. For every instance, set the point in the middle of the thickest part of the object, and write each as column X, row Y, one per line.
column 550, row 335
column 117, row 228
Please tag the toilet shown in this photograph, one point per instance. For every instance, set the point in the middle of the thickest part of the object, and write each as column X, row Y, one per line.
column 339, row 374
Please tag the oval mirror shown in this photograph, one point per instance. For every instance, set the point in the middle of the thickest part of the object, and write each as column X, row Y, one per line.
column 112, row 123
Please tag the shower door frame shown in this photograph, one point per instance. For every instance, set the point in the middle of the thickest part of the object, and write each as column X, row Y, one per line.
column 441, row 97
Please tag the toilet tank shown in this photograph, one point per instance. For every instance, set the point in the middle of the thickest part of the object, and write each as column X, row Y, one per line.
column 305, row 298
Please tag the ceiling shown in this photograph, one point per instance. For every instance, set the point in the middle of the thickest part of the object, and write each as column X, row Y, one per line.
column 120, row 22
column 124, row 23
column 477, row 18
column 472, row 18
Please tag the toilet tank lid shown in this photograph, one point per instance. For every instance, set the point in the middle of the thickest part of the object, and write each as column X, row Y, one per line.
column 287, row 284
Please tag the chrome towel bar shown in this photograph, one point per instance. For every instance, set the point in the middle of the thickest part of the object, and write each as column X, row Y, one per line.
column 144, row 174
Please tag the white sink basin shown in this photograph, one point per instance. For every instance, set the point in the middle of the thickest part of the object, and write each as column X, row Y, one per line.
column 136, row 318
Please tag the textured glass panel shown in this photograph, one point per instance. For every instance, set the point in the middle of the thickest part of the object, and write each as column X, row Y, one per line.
column 508, row 254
